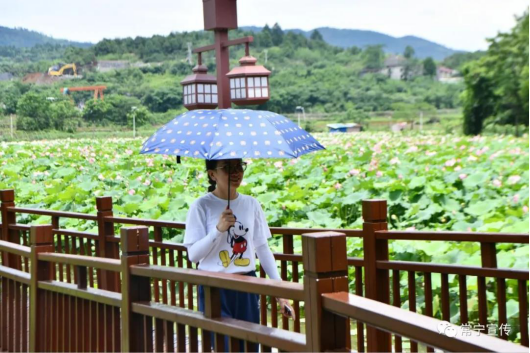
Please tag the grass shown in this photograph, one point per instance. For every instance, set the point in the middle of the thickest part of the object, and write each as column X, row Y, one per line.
column 450, row 122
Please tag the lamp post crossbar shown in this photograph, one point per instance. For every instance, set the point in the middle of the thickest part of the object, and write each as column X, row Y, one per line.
column 229, row 43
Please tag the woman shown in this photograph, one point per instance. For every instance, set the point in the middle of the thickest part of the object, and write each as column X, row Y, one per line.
column 223, row 239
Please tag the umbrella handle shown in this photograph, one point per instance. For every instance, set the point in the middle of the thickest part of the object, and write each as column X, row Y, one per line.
column 229, row 171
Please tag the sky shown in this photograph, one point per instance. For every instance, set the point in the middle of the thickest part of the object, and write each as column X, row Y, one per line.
column 457, row 24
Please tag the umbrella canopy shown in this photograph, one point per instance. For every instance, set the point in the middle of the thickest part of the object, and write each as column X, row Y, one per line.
column 230, row 134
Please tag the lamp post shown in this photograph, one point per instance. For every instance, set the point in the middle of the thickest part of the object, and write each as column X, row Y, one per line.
column 298, row 108
column 247, row 84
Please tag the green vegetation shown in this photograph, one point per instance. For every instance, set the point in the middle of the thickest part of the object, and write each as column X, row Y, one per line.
column 497, row 84
column 305, row 71
column 479, row 184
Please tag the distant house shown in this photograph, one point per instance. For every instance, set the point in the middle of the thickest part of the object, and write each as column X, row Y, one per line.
column 447, row 75
column 394, row 66
column 341, row 128
column 6, row 76
column 107, row 65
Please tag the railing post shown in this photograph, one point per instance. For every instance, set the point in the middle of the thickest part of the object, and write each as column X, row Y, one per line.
column 109, row 280
column 135, row 251
column 488, row 252
column 376, row 281
column 325, row 271
column 41, row 238
column 7, row 197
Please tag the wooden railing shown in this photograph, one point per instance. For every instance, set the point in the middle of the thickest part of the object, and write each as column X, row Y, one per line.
column 370, row 276
column 417, row 327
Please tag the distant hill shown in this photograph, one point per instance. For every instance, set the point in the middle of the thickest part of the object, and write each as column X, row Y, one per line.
column 353, row 37
column 23, row 38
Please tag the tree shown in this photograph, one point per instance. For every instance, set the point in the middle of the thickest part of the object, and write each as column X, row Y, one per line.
column 277, row 34
column 163, row 99
column 478, row 99
column 354, row 115
column 429, row 67
column 316, row 36
column 63, row 115
column 458, row 60
column 497, row 84
column 140, row 114
column 33, row 112
column 95, row 111
column 265, row 37
column 409, row 52
column 373, row 57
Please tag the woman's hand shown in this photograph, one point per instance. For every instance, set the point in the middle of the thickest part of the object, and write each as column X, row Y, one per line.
column 286, row 309
column 226, row 220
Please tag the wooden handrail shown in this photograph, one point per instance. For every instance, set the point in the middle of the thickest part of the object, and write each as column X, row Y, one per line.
column 145, row 222
column 52, row 213
column 274, row 230
column 282, row 339
column 15, row 275
column 92, row 294
column 454, row 236
column 454, row 269
column 281, row 289
column 100, row 263
column 16, row 249
column 417, row 327
column 75, row 233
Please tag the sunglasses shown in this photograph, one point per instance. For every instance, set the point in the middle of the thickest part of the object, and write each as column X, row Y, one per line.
column 239, row 167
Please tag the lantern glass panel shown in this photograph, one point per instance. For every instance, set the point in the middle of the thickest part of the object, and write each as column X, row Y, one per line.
column 208, row 98
column 214, row 98
column 232, row 93
column 265, row 92
column 238, row 93
column 192, row 88
column 200, row 98
column 251, row 93
column 207, row 88
column 251, row 81
column 258, row 92
column 264, row 81
column 243, row 93
column 242, row 80
column 214, row 89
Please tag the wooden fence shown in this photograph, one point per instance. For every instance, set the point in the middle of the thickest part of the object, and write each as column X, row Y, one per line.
column 81, row 277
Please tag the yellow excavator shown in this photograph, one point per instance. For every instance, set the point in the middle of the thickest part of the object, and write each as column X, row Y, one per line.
column 62, row 69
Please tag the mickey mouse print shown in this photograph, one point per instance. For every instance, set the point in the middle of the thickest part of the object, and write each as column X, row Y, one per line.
column 236, row 237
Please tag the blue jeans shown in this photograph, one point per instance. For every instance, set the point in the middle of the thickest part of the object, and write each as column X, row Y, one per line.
column 237, row 305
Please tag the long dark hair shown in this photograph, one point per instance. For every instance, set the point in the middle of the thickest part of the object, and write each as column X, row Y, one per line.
column 211, row 164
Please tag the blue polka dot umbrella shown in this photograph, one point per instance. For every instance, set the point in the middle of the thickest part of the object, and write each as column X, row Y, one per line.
column 230, row 134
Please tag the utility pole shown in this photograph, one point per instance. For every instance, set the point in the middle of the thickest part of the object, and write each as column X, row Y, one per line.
column 11, row 124
column 188, row 58
column 133, row 111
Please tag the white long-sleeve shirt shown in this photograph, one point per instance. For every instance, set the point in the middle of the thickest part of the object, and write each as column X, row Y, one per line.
column 231, row 251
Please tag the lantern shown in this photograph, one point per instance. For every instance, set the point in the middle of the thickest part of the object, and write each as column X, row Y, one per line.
column 249, row 84
column 199, row 89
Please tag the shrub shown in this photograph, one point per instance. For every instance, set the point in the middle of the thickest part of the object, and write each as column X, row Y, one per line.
column 33, row 112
